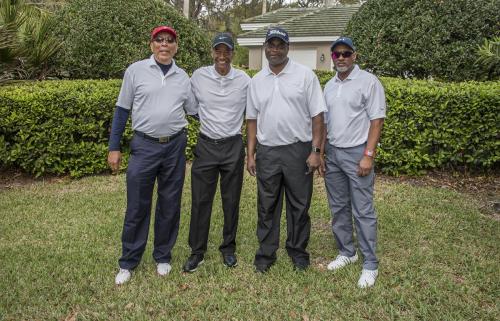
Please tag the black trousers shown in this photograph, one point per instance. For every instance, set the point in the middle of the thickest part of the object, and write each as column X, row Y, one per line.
column 282, row 169
column 149, row 162
column 214, row 158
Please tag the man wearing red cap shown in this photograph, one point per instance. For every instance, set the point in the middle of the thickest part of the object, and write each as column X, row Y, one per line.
column 156, row 92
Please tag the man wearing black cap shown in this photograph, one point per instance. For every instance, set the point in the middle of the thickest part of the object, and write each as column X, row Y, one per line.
column 220, row 92
column 284, row 121
column 356, row 110
column 156, row 92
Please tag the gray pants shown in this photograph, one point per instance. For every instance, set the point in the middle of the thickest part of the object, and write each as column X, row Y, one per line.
column 351, row 195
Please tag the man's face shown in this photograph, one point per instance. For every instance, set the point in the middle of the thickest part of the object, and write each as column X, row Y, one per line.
column 276, row 51
column 164, row 47
column 222, row 56
column 341, row 62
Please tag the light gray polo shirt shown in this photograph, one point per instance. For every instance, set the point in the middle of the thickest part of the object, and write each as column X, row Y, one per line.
column 284, row 104
column 351, row 104
column 157, row 101
column 221, row 100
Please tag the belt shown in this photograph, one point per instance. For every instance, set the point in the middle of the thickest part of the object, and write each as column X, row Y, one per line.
column 160, row 140
column 218, row 141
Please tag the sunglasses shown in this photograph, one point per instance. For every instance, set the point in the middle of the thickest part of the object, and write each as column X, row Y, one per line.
column 161, row 40
column 345, row 54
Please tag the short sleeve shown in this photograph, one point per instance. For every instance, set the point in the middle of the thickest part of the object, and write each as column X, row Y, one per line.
column 375, row 104
column 127, row 92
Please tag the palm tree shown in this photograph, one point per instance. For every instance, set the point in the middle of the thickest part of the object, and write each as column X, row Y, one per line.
column 489, row 57
column 26, row 40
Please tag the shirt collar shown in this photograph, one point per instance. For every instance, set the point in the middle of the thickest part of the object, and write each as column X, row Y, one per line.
column 287, row 69
column 216, row 75
column 352, row 75
column 152, row 62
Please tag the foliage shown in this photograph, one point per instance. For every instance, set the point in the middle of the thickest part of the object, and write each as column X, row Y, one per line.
column 27, row 42
column 424, row 38
column 489, row 57
column 62, row 127
column 101, row 38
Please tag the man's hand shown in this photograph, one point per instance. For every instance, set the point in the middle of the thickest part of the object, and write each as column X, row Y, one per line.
column 322, row 166
column 114, row 160
column 365, row 166
column 251, row 166
column 313, row 163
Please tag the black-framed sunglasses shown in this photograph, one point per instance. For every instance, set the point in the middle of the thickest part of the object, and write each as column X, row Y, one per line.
column 345, row 54
column 161, row 40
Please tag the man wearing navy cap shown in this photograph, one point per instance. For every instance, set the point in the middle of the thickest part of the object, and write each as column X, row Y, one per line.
column 220, row 92
column 156, row 93
column 356, row 110
column 284, row 122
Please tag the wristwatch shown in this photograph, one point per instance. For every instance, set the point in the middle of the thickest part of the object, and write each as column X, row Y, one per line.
column 316, row 149
column 369, row 153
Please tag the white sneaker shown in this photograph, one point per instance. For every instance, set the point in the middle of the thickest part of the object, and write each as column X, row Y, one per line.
column 341, row 261
column 122, row 276
column 163, row 269
column 367, row 278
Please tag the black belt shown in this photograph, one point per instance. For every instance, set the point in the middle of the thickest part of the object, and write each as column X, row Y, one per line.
column 218, row 141
column 160, row 140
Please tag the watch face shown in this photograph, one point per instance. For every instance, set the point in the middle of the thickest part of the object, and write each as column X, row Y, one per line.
column 316, row 149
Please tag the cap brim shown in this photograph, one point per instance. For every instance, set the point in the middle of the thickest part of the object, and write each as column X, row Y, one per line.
column 342, row 43
column 170, row 32
column 279, row 37
column 224, row 43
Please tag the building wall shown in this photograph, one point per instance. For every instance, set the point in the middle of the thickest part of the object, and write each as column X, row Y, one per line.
column 323, row 59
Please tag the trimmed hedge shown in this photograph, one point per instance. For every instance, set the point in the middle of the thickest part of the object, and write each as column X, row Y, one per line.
column 62, row 127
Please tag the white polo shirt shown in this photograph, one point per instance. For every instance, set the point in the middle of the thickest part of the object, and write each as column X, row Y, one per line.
column 157, row 101
column 221, row 100
column 284, row 104
column 351, row 104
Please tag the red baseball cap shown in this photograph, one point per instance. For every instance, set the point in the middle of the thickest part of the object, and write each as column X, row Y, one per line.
column 159, row 29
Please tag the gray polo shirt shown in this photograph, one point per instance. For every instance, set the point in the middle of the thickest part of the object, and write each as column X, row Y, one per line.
column 157, row 101
column 284, row 104
column 351, row 104
column 221, row 100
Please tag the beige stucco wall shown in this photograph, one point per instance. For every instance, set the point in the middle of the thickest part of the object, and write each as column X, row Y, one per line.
column 255, row 55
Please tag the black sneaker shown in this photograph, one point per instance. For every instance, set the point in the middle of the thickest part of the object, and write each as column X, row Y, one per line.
column 230, row 260
column 300, row 264
column 262, row 268
column 192, row 263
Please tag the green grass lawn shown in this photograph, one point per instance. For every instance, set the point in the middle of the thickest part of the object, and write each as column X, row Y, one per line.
column 60, row 242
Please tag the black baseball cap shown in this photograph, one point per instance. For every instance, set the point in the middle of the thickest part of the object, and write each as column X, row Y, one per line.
column 225, row 38
column 277, row 32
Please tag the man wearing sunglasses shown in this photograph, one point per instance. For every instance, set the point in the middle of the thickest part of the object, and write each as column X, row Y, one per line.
column 356, row 110
column 221, row 93
column 156, row 92
column 284, row 122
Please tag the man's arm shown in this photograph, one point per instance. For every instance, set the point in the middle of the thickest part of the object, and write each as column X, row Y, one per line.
column 313, row 161
column 117, row 128
column 322, row 166
column 251, row 144
column 366, row 163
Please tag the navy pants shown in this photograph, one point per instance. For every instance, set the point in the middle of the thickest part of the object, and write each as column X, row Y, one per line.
column 150, row 161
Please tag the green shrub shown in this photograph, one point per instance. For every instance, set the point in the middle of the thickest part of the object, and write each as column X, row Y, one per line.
column 62, row 127
column 424, row 38
column 101, row 38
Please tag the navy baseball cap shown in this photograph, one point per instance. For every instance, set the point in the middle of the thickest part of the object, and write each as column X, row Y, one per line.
column 343, row 41
column 277, row 32
column 225, row 38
